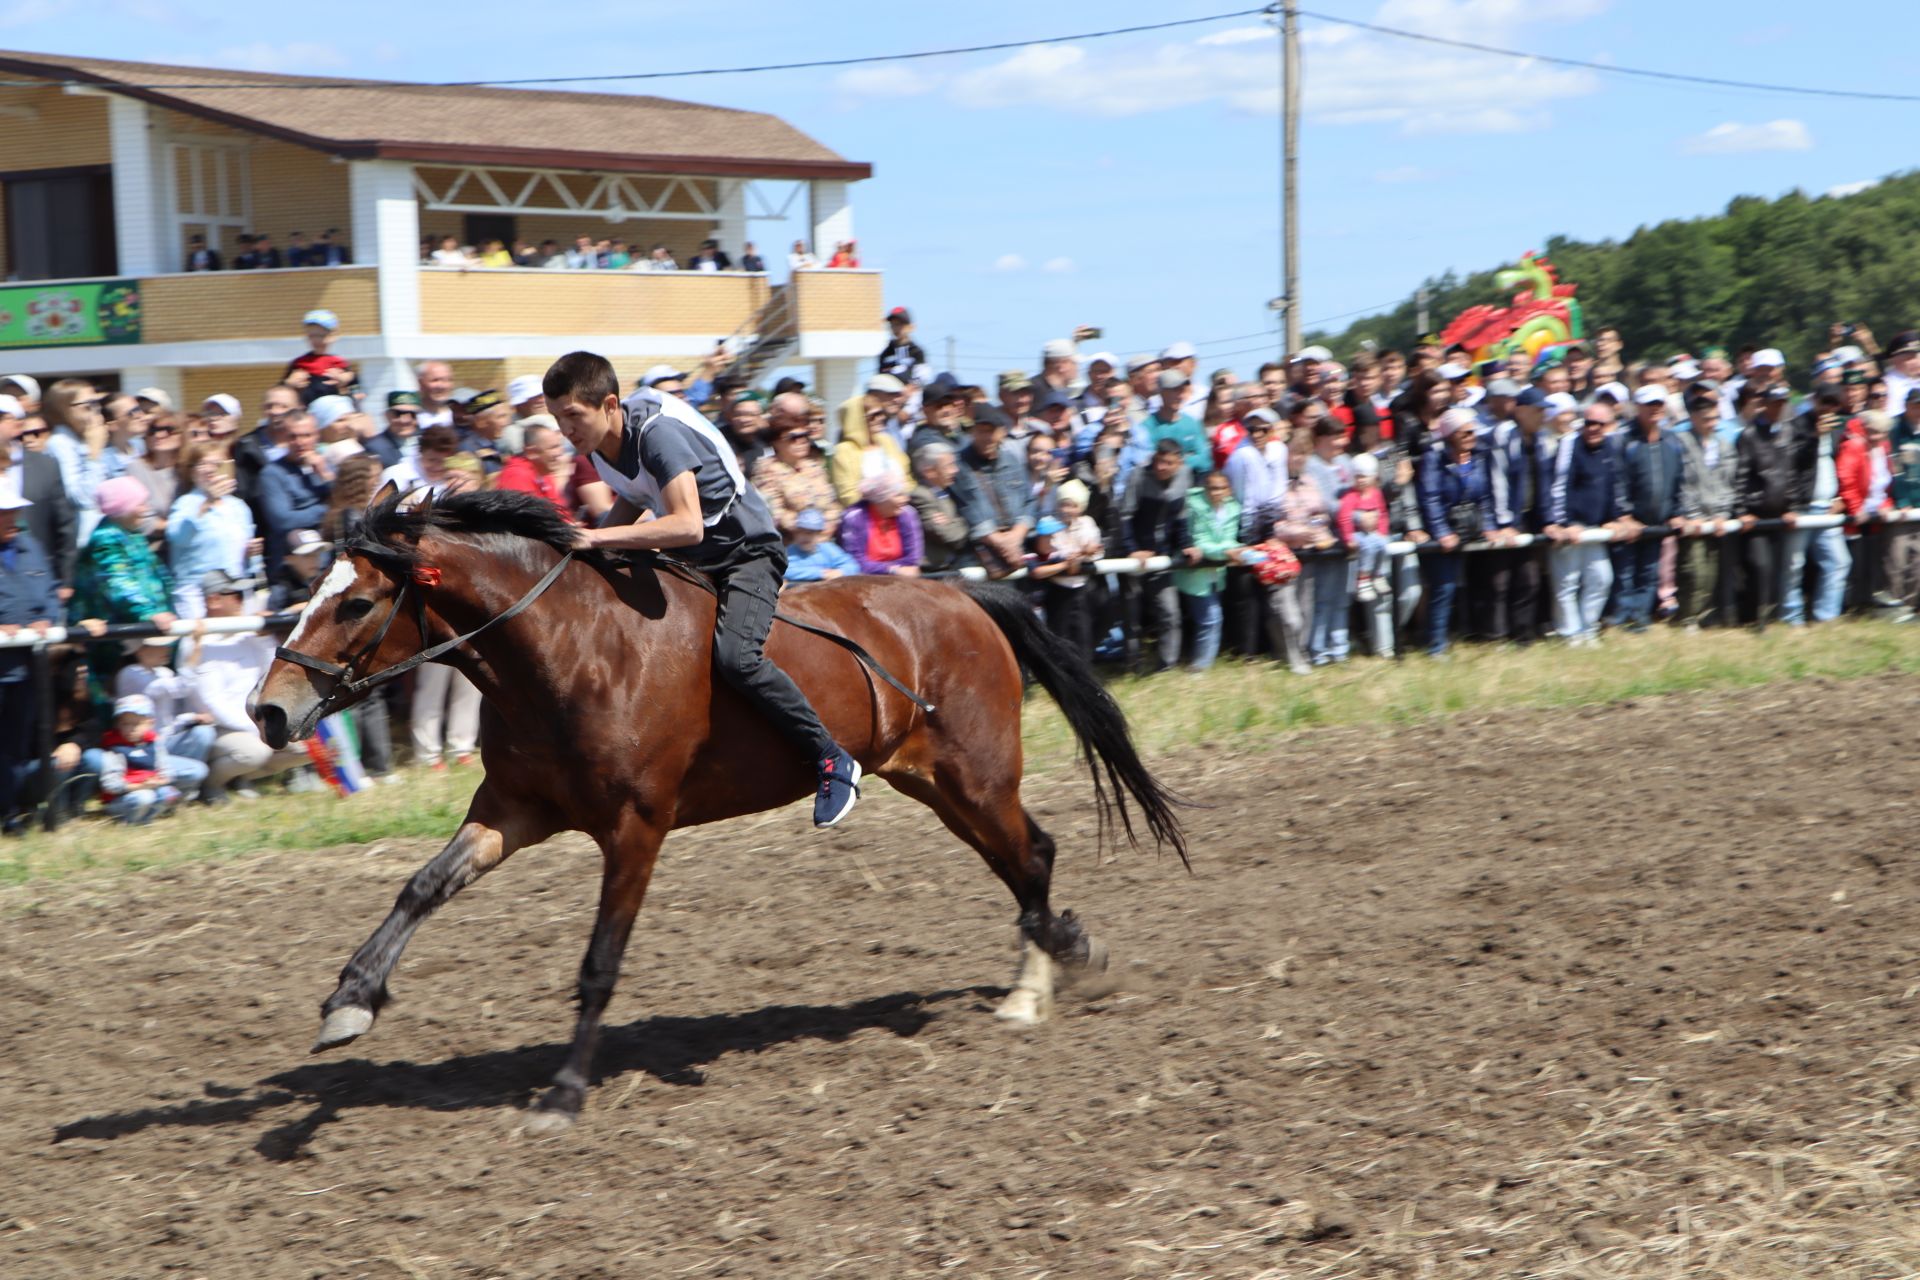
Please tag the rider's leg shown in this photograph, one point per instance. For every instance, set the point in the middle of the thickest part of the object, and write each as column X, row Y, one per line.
column 748, row 593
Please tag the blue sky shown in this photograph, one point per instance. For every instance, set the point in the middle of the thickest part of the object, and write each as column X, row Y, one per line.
column 1133, row 183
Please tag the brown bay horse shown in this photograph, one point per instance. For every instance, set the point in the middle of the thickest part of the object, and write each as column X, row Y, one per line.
column 602, row 715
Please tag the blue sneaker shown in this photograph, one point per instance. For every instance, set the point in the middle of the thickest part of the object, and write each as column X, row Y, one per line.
column 839, row 789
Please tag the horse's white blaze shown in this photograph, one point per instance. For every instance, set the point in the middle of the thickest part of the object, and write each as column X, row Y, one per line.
column 1031, row 999
column 338, row 579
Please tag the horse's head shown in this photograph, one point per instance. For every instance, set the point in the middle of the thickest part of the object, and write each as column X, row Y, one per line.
column 369, row 613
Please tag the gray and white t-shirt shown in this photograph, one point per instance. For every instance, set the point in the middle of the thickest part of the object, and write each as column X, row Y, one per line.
column 662, row 438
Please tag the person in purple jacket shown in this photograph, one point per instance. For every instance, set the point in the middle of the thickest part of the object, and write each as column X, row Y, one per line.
column 881, row 532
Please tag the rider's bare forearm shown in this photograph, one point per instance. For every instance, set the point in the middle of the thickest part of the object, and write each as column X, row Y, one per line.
column 664, row 534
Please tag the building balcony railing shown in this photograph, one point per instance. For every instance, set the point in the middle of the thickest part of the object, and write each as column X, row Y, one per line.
column 186, row 307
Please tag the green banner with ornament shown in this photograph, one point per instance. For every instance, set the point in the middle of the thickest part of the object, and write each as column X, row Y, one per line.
column 83, row 314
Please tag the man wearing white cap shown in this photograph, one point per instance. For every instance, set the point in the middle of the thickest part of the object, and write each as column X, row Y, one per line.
column 524, row 394
column 1181, row 356
column 27, row 600
column 22, row 388
column 1059, row 366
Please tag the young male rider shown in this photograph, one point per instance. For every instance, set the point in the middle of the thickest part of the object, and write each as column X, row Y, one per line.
column 679, row 489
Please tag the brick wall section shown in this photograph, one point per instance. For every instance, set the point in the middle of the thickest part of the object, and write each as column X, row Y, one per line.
column 569, row 302
column 70, row 131
column 295, row 189
column 247, row 383
column 839, row 300
column 256, row 304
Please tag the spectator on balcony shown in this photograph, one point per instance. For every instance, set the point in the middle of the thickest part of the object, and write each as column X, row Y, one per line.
column 316, row 371
column 401, row 438
column 436, row 393
column 485, row 437
column 327, row 251
column 450, row 254
column 792, row 477
column 582, row 256
column 943, row 529
column 494, row 253
column 710, row 257
column 34, row 478
column 265, row 256
column 658, row 259
column 246, row 259
column 297, row 249
column 208, row 527
column 901, row 354
column 881, row 531
column 800, row 258
column 294, row 487
column 618, row 257
column 868, row 444
column 845, row 254
column 814, row 557
column 200, row 256
column 750, row 259
column 548, row 257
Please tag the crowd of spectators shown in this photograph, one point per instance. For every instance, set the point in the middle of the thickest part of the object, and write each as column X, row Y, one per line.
column 1309, row 510
column 257, row 252
column 607, row 254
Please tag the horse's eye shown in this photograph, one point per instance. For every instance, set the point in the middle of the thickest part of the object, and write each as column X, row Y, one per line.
column 352, row 610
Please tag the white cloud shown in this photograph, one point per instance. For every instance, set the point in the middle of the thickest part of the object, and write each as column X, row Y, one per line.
column 1351, row 77
column 1403, row 174
column 1852, row 188
column 23, row 13
column 1009, row 262
column 1059, row 266
column 296, row 58
column 1732, row 139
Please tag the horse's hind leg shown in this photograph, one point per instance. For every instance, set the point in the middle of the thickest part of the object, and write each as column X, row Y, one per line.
column 483, row 842
column 1021, row 854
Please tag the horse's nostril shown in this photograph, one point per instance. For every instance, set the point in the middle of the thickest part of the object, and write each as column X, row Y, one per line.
column 272, row 719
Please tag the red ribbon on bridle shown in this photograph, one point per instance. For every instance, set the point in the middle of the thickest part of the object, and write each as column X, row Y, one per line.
column 427, row 576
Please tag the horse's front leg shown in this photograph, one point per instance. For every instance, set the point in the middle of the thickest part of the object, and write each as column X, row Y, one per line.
column 483, row 842
column 630, row 855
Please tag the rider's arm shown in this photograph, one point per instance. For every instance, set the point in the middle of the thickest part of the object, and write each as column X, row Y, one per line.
column 681, row 526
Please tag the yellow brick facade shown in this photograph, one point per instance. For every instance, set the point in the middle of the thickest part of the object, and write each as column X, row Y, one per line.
column 838, row 300
column 256, row 304
column 569, row 302
column 65, row 132
column 246, row 383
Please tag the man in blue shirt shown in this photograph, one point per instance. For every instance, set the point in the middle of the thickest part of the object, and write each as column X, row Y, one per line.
column 1168, row 423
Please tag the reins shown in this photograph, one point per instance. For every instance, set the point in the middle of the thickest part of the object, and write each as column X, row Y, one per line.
column 424, row 576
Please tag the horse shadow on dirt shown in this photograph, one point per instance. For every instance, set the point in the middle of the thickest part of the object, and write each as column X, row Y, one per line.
column 670, row 1049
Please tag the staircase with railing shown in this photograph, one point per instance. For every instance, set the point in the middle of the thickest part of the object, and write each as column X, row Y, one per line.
column 765, row 339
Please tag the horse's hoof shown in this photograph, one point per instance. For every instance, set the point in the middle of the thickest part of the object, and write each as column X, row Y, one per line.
column 548, row 1124
column 343, row 1026
column 1096, row 961
column 1023, row 1008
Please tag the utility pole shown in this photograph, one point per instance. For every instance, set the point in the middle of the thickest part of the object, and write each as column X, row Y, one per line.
column 1420, row 313
column 1290, row 164
column 950, row 353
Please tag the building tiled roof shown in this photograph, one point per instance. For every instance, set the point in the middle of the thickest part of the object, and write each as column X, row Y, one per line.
column 393, row 120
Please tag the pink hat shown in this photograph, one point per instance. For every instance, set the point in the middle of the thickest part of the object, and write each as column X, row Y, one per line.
column 120, row 496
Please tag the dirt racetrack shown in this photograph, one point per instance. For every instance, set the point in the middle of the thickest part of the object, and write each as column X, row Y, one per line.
column 1623, row 992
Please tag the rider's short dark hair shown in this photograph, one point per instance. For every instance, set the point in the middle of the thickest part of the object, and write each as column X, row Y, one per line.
column 581, row 376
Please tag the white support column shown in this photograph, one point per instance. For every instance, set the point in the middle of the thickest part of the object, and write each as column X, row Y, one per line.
column 836, row 381
column 832, row 216
column 731, row 228
column 386, row 234
column 142, row 224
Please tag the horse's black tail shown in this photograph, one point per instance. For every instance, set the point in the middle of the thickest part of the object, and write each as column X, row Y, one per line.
column 1096, row 719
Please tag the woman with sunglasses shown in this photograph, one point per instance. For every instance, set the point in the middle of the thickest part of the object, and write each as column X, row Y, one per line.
column 793, row 478
column 156, row 468
column 77, row 439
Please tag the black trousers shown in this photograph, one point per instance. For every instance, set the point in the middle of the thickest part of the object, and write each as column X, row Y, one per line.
column 1766, row 560
column 1070, row 616
column 18, row 704
column 749, row 589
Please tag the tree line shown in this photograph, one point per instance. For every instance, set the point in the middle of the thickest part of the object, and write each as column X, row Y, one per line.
column 1771, row 273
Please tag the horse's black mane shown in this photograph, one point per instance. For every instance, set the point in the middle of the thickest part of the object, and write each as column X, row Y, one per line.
column 390, row 532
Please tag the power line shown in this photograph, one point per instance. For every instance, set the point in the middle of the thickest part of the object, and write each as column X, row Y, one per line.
column 816, row 64
column 1585, row 65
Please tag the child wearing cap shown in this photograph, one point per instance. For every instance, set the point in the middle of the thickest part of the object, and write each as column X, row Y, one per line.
column 1074, row 543
column 316, row 371
column 137, row 778
column 1362, row 520
column 810, row 556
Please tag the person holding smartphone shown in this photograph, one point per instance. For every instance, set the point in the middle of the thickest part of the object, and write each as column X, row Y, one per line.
column 208, row 527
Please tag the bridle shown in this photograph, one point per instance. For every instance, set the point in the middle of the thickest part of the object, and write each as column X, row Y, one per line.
column 349, row 687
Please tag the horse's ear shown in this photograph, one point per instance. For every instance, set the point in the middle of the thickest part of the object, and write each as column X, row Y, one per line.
column 386, row 494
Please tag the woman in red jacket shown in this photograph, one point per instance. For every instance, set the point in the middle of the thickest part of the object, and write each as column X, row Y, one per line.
column 1864, row 468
